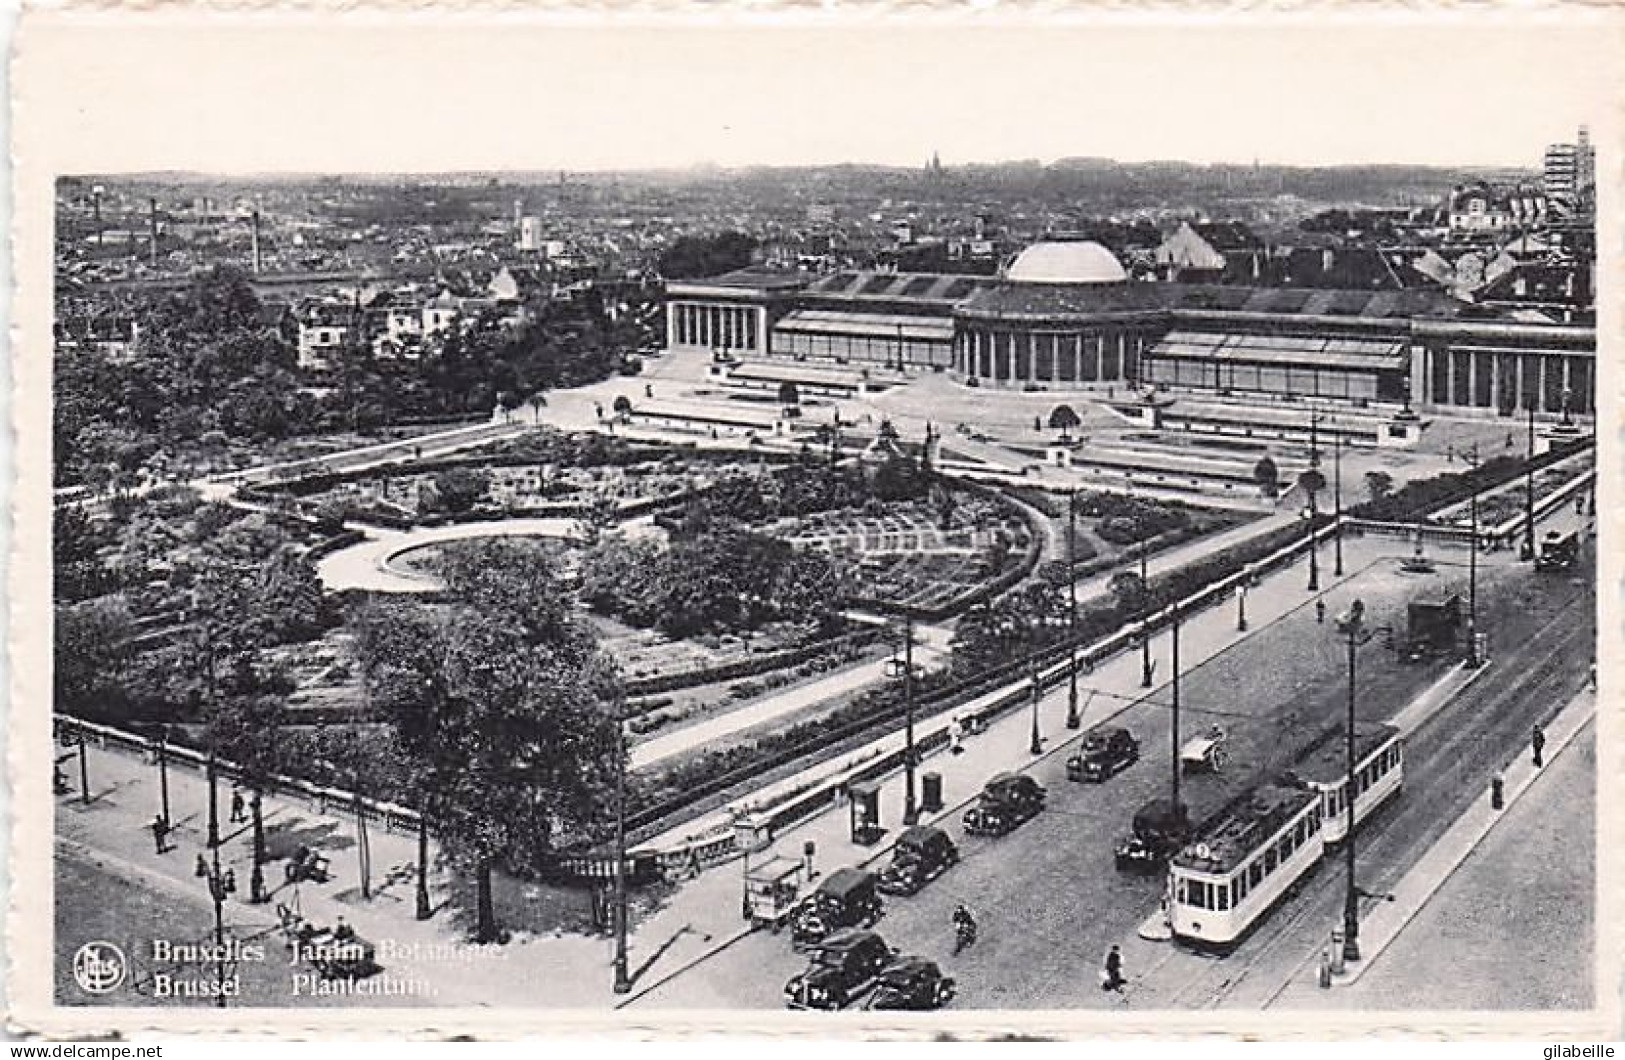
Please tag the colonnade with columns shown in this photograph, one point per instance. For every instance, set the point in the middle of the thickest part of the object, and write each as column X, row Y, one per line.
column 996, row 355
column 1460, row 375
column 716, row 326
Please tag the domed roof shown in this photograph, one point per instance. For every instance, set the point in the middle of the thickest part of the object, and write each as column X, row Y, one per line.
column 1066, row 263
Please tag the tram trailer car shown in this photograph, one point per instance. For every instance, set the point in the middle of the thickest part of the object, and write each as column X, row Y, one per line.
column 1379, row 756
column 1240, row 865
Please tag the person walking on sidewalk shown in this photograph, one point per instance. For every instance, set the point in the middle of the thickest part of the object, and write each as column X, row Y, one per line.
column 1537, row 742
column 160, row 833
column 1111, row 974
column 237, row 814
column 1320, row 611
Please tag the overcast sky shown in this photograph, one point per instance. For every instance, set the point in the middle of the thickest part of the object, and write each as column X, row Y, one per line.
column 414, row 94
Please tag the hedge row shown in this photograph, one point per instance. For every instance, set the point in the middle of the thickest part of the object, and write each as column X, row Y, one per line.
column 1421, row 497
column 760, row 664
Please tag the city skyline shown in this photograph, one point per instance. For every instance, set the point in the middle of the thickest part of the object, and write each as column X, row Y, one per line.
column 363, row 97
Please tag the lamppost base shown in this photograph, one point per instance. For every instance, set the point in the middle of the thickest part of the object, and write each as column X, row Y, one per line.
column 1351, row 949
column 623, row 985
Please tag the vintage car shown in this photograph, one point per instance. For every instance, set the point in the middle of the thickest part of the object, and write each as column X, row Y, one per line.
column 846, row 898
column 1007, row 800
column 844, row 967
column 1160, row 831
column 922, row 854
column 912, row 983
column 1103, row 753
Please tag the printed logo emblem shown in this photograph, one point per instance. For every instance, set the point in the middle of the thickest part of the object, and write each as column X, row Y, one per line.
column 99, row 967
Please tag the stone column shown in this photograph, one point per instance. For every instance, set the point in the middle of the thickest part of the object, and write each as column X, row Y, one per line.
column 1421, row 375
column 1495, row 381
column 1542, row 403
column 1449, row 375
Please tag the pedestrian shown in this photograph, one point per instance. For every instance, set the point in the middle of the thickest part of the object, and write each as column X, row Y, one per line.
column 1111, row 975
column 1320, row 611
column 237, row 814
column 1509, row 439
column 954, row 737
column 160, row 833
column 1537, row 741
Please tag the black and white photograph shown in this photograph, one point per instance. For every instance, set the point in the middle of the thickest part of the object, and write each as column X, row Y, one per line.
column 1074, row 521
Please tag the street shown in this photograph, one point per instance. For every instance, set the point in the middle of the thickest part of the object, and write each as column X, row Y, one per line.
column 1047, row 897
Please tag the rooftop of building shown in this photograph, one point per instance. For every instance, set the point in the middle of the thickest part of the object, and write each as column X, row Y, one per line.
column 1082, row 262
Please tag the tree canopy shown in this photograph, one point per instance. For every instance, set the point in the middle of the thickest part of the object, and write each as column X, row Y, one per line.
column 500, row 695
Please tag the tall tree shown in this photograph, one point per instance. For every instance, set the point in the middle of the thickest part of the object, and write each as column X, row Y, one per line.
column 504, row 695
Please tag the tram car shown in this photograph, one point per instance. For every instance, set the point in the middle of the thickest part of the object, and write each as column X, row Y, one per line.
column 1248, row 856
column 1240, row 865
column 1379, row 755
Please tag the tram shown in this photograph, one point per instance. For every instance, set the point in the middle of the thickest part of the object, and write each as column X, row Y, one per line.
column 1379, row 755
column 1246, row 858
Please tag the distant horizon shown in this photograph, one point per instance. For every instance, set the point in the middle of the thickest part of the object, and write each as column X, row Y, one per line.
column 702, row 169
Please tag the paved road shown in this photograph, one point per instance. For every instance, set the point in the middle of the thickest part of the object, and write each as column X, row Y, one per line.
column 1050, row 902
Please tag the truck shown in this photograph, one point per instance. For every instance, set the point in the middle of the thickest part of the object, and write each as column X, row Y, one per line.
column 1432, row 626
column 1558, row 551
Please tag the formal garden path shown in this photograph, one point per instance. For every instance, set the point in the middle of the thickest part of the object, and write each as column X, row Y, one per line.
column 368, row 565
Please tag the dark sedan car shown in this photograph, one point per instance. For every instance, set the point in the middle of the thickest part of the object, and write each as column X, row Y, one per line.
column 1104, row 753
column 1007, row 801
column 912, row 983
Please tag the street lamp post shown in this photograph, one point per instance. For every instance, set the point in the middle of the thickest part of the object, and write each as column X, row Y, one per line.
column 623, row 982
column 1241, row 600
column 84, row 770
column 1351, row 624
column 1529, row 488
column 163, row 775
column 1337, row 504
column 1036, row 746
column 220, row 883
column 256, row 875
column 1145, row 632
column 1472, row 567
column 904, row 670
column 1314, row 511
column 1175, row 726
column 1073, row 719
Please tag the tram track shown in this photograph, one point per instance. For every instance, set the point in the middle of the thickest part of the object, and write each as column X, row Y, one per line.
column 1449, row 754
